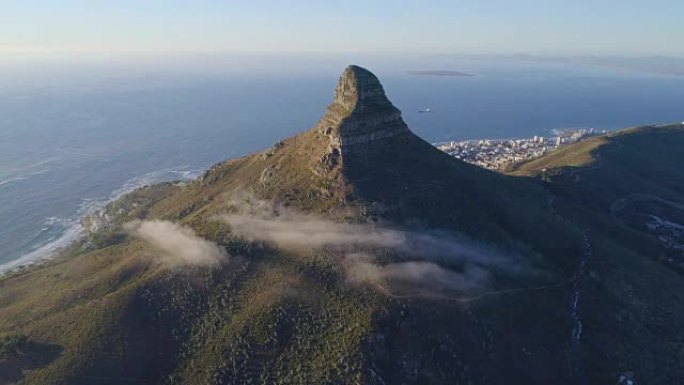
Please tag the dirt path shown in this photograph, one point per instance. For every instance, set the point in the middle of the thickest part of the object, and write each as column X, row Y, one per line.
column 464, row 299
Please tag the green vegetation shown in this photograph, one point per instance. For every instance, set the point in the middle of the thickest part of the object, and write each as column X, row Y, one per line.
column 636, row 285
column 11, row 345
column 580, row 154
column 107, row 311
column 273, row 316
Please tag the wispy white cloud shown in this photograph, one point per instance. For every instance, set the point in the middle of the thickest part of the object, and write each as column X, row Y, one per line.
column 176, row 244
column 424, row 258
column 360, row 267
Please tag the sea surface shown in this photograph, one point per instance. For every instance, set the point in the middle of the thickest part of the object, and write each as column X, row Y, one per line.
column 73, row 137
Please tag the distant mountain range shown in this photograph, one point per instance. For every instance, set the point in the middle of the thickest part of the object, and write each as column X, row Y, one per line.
column 438, row 73
column 356, row 252
column 663, row 65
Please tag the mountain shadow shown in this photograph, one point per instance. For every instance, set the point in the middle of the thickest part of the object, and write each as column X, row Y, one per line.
column 19, row 354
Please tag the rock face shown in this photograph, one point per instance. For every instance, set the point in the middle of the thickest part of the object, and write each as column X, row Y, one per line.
column 359, row 117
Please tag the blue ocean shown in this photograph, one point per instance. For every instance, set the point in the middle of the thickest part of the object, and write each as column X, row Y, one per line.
column 74, row 135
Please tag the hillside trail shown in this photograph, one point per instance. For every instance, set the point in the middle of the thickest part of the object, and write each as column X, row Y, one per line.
column 580, row 276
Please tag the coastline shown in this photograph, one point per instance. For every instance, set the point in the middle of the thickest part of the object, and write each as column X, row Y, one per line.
column 76, row 229
column 79, row 228
column 86, row 217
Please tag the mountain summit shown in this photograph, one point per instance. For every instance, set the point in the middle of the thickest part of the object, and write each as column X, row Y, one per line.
column 360, row 115
column 361, row 157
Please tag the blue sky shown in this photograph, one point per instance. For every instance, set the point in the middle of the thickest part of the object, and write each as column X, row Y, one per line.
column 611, row 27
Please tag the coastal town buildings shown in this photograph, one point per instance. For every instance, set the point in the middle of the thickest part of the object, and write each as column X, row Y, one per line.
column 499, row 154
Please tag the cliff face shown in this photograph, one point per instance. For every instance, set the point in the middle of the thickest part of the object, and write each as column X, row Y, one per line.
column 360, row 117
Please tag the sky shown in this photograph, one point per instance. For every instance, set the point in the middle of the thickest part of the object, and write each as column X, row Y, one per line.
column 610, row 27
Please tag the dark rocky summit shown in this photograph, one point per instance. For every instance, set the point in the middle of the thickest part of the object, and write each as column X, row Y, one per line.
column 360, row 116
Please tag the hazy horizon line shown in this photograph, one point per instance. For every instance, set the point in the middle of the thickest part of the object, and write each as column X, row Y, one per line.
column 463, row 54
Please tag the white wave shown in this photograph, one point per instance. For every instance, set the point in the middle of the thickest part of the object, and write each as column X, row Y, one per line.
column 52, row 221
column 45, row 251
column 10, row 180
column 22, row 177
column 74, row 230
column 37, row 164
column 169, row 174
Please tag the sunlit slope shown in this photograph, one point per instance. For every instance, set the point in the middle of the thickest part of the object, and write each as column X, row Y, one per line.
column 110, row 310
column 114, row 314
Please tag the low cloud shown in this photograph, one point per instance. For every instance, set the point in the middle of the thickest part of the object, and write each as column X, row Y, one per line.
column 177, row 245
column 289, row 230
column 429, row 259
column 359, row 267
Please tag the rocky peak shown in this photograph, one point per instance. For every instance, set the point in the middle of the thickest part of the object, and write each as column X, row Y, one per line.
column 358, row 91
column 359, row 116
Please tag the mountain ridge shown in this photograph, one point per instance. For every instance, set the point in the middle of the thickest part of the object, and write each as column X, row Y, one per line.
column 271, row 312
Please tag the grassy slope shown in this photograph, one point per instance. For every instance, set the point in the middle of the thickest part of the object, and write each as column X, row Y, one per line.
column 267, row 315
column 577, row 155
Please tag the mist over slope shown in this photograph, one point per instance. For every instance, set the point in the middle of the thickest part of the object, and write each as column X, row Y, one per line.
column 355, row 252
column 176, row 244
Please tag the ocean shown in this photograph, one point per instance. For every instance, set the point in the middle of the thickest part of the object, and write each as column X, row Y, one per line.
column 74, row 136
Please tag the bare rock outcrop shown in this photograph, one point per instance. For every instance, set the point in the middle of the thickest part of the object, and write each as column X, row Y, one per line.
column 359, row 117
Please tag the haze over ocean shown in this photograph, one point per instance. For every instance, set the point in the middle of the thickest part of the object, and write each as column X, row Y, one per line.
column 73, row 136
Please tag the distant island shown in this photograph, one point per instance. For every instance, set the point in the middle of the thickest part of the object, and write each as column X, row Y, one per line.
column 438, row 73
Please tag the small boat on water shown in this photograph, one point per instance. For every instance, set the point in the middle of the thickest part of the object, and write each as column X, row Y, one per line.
column 424, row 111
